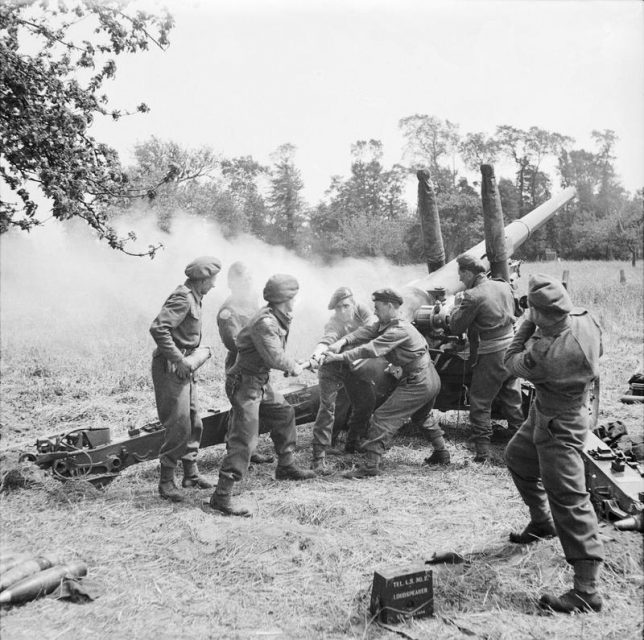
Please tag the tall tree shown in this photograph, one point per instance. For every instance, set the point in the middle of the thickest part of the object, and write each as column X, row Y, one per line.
column 285, row 198
column 189, row 169
column 432, row 143
column 242, row 175
column 46, row 108
column 477, row 149
column 528, row 149
column 366, row 214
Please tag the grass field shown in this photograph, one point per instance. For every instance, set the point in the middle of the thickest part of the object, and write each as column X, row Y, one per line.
column 302, row 566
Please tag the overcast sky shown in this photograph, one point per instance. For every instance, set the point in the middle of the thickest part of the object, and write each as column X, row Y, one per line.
column 245, row 76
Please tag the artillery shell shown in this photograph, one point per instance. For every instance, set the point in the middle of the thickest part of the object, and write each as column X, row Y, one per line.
column 42, row 583
column 24, row 570
column 10, row 562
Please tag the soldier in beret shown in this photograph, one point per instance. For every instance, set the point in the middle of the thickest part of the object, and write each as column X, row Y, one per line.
column 557, row 348
column 177, row 333
column 347, row 316
column 260, row 348
column 234, row 314
column 406, row 350
column 486, row 311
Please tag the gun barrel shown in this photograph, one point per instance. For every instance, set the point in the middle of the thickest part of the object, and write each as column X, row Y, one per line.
column 516, row 233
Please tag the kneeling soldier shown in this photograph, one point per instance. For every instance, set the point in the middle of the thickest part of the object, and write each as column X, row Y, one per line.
column 177, row 332
column 406, row 350
column 557, row 348
column 260, row 348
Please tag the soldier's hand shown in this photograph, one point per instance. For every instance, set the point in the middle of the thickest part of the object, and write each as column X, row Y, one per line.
column 297, row 370
column 332, row 357
column 183, row 369
column 336, row 346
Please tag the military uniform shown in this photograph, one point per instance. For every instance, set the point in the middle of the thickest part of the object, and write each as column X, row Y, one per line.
column 545, row 456
column 177, row 333
column 486, row 313
column 402, row 346
column 332, row 377
column 232, row 317
column 260, row 348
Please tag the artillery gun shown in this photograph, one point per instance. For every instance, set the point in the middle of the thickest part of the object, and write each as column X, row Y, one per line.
column 92, row 454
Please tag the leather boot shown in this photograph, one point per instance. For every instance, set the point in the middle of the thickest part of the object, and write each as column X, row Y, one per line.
column 293, row 472
column 354, row 446
column 533, row 533
column 572, row 601
column 168, row 490
column 260, row 458
column 482, row 452
column 439, row 457
column 370, row 469
column 191, row 477
column 221, row 500
column 318, row 461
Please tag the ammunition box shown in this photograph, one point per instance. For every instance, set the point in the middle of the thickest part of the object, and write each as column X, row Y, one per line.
column 97, row 437
column 399, row 593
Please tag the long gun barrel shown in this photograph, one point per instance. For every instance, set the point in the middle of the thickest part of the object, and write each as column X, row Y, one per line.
column 516, row 233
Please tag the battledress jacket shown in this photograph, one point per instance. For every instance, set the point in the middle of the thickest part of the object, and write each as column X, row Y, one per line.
column 335, row 329
column 232, row 317
column 485, row 312
column 261, row 343
column 560, row 361
column 177, row 328
column 397, row 341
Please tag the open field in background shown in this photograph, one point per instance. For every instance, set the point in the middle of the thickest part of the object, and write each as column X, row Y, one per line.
column 302, row 567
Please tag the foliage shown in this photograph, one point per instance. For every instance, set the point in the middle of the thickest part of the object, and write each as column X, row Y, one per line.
column 49, row 100
column 365, row 214
column 224, row 191
column 286, row 205
column 430, row 140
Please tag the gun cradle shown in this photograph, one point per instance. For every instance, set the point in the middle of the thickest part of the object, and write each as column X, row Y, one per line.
column 90, row 454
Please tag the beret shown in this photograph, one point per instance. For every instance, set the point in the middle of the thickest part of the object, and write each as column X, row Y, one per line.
column 387, row 295
column 548, row 294
column 466, row 262
column 237, row 271
column 203, row 267
column 280, row 288
column 338, row 295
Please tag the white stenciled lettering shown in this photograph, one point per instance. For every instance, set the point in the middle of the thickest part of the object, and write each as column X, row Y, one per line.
column 407, row 594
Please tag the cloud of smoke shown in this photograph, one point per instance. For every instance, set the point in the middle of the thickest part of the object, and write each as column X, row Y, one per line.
column 60, row 286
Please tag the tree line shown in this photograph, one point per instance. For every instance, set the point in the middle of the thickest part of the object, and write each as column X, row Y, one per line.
column 365, row 214
column 46, row 113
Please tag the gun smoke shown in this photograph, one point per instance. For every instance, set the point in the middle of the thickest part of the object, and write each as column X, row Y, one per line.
column 60, row 285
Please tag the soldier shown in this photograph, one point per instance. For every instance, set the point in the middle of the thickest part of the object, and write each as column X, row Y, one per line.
column 348, row 316
column 232, row 317
column 418, row 384
column 485, row 310
column 177, row 333
column 557, row 348
column 260, row 346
